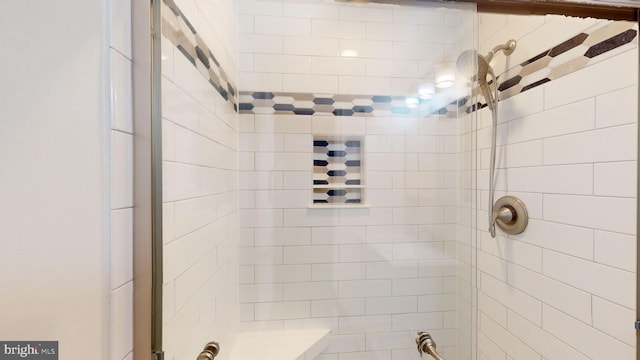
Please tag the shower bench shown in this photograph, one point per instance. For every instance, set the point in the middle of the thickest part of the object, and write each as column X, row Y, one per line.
column 303, row 344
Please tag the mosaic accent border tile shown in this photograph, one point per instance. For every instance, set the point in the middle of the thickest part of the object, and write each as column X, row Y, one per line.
column 584, row 49
column 177, row 28
column 340, row 105
column 337, row 170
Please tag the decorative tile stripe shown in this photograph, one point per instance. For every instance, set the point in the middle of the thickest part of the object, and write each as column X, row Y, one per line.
column 337, row 171
column 572, row 55
column 177, row 28
column 341, row 105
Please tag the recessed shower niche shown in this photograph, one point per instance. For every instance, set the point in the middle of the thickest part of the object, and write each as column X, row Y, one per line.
column 337, row 171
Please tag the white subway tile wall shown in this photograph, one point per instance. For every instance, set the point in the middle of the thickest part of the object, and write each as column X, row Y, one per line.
column 564, row 288
column 374, row 276
column 121, row 202
column 201, row 194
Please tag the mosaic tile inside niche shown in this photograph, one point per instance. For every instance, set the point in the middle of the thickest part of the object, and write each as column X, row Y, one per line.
column 337, row 170
column 177, row 28
column 259, row 102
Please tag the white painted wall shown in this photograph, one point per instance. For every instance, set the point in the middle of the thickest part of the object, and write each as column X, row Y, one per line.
column 565, row 288
column 54, row 177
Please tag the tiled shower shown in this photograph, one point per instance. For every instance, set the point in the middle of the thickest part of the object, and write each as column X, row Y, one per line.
column 309, row 183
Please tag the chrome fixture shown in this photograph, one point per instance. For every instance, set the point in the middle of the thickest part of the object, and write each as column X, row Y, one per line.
column 426, row 345
column 211, row 350
column 470, row 63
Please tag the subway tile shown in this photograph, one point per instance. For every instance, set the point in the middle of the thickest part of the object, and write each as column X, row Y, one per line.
column 122, row 321
column 522, row 154
column 275, row 25
column 121, row 29
column 615, row 249
column 612, row 74
column 567, row 119
column 283, row 310
column 367, row 216
column 261, row 256
column 492, row 265
column 121, row 247
column 417, row 251
column 613, row 320
column 282, row 273
column 340, row 29
column 506, row 340
column 298, row 143
column 316, row 290
column 366, row 48
column 284, row 199
column 548, row 345
column 189, row 283
column 615, row 179
column 418, row 286
column 310, row 83
column 365, row 324
column 337, row 307
column 391, row 305
column 492, row 309
column 346, row 343
column 489, row 350
column 392, row 270
column 297, row 179
column 257, row 293
column 565, row 179
column 514, row 299
column 365, row 253
column 310, row 217
column 591, row 277
column 359, row 13
column 266, row 161
column 321, row 254
column 568, row 239
column 387, row 340
column 121, row 170
column 260, row 44
column 364, row 85
column 296, row 45
column 565, row 298
column 286, row 124
column 260, row 7
column 592, row 146
column 402, row 322
column 260, row 81
column 282, row 236
column 261, row 180
column 346, row 271
column 391, row 68
column 418, row 215
column 339, row 125
column 393, row 31
column 281, row 64
column 261, row 217
column 436, row 302
column 338, row 66
column 584, row 337
column 121, row 92
column 590, row 211
column 617, row 107
column 365, row 288
column 314, row 11
column 338, row 235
